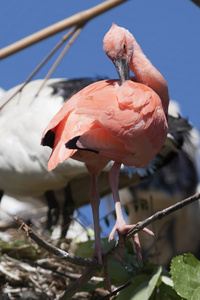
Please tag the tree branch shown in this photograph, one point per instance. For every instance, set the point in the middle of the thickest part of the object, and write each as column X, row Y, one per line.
column 77, row 19
column 160, row 214
column 85, row 262
column 107, row 297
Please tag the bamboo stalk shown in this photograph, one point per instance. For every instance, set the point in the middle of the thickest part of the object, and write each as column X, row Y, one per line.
column 77, row 19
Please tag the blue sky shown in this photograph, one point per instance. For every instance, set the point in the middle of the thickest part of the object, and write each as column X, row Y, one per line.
column 167, row 31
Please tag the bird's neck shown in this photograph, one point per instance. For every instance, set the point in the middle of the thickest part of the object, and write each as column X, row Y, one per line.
column 147, row 74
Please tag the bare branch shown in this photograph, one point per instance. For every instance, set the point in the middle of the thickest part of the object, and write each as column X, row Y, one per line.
column 60, row 57
column 115, row 292
column 77, row 19
column 78, row 284
column 86, row 262
column 63, row 40
column 160, row 214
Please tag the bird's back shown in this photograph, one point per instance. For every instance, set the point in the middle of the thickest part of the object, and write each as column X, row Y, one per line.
column 120, row 122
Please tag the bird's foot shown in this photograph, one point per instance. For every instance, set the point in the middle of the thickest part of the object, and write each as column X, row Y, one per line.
column 122, row 228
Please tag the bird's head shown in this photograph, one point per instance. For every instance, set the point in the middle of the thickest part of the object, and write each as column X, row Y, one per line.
column 118, row 46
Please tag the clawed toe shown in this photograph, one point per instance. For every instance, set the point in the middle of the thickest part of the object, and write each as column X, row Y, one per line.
column 122, row 229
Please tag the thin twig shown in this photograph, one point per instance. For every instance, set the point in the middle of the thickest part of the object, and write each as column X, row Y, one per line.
column 160, row 214
column 10, row 275
column 77, row 19
column 78, row 284
column 60, row 43
column 60, row 57
column 115, row 292
column 91, row 262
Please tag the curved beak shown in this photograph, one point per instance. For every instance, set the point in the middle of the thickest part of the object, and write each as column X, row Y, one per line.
column 122, row 67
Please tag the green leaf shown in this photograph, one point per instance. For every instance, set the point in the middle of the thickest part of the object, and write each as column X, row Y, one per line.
column 85, row 249
column 196, row 295
column 119, row 274
column 185, row 272
column 165, row 292
column 167, row 280
column 142, row 287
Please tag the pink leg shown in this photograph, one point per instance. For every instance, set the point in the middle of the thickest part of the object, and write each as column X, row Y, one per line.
column 95, row 201
column 120, row 224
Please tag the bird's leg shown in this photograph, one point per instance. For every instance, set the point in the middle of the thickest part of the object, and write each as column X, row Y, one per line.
column 120, row 226
column 95, row 201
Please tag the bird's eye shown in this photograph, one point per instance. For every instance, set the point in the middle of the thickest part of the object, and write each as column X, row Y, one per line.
column 124, row 46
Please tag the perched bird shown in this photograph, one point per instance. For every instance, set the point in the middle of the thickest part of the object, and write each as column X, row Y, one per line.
column 176, row 181
column 75, row 193
column 111, row 120
column 23, row 172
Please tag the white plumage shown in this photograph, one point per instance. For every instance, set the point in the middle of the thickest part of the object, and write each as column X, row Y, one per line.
column 23, row 162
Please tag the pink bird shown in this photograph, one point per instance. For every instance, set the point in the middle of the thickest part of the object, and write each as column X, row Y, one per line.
column 111, row 120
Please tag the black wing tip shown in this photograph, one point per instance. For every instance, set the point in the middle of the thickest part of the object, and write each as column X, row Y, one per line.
column 72, row 144
column 48, row 139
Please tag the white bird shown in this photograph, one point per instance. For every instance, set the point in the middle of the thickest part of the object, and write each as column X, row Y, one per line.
column 178, row 232
column 23, row 161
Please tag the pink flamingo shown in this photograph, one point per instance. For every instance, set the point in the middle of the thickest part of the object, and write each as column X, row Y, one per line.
column 125, row 122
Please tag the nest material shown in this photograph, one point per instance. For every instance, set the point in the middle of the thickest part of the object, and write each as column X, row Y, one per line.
column 29, row 272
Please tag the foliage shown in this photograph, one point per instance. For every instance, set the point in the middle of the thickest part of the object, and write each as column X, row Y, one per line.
column 21, row 258
column 185, row 271
column 147, row 282
column 150, row 281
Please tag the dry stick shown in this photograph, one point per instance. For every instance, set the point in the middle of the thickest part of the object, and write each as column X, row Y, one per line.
column 77, row 285
column 63, row 40
column 160, row 214
column 60, row 57
column 115, row 292
column 85, row 262
column 77, row 19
